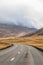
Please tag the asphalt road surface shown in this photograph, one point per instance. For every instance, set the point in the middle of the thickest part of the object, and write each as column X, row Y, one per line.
column 20, row 55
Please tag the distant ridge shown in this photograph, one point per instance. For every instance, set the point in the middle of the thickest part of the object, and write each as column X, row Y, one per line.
column 11, row 30
column 38, row 32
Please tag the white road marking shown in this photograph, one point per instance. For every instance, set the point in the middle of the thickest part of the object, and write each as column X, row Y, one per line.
column 12, row 59
column 18, row 52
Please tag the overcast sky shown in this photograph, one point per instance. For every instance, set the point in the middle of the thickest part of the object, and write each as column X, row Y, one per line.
column 28, row 13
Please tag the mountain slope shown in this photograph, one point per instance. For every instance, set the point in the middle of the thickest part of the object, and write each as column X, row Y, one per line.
column 37, row 32
column 8, row 30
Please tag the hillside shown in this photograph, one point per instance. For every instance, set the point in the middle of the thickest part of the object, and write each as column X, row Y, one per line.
column 37, row 32
column 10, row 30
column 29, row 38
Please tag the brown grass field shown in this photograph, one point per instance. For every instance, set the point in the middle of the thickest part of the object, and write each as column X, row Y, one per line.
column 5, row 45
column 36, row 41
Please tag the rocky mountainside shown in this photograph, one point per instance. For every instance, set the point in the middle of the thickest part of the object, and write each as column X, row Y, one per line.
column 8, row 30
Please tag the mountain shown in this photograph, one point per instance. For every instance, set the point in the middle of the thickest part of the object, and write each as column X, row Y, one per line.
column 37, row 32
column 11, row 30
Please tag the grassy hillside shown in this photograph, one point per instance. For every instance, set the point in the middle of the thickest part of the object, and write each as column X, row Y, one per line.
column 36, row 41
column 5, row 45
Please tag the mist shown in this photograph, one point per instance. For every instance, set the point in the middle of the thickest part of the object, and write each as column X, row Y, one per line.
column 24, row 13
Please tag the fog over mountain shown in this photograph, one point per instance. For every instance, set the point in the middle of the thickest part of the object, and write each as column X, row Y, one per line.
column 28, row 13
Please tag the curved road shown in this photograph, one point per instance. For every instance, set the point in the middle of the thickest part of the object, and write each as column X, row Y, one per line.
column 20, row 55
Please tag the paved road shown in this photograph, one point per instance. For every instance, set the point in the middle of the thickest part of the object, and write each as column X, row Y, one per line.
column 20, row 55
column 13, row 55
column 37, row 57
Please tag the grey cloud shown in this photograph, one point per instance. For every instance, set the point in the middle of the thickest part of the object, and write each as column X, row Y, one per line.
column 21, row 15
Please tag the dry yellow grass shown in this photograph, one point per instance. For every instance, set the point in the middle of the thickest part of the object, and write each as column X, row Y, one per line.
column 36, row 41
column 4, row 45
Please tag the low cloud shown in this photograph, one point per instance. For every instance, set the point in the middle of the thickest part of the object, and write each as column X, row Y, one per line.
column 27, row 13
